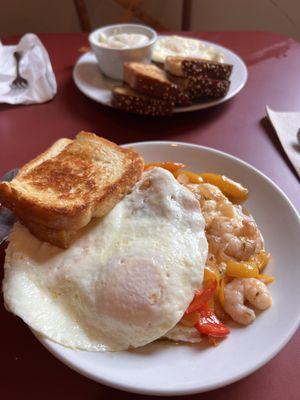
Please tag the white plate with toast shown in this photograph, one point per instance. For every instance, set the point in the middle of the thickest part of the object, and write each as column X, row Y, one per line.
column 162, row 368
column 94, row 84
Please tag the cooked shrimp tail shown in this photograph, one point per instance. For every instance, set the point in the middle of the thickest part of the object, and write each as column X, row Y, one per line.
column 239, row 290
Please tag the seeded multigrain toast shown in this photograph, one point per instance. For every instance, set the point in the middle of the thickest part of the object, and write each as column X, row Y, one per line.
column 127, row 99
column 199, row 78
column 188, row 67
column 150, row 80
column 202, row 86
column 62, row 189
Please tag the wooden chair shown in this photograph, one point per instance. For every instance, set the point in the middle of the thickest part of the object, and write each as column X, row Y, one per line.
column 132, row 10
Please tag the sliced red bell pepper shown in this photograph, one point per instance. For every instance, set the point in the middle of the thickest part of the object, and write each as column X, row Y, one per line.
column 202, row 297
column 209, row 324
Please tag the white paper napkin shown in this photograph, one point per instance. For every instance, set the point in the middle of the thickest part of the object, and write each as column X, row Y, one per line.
column 287, row 125
column 35, row 66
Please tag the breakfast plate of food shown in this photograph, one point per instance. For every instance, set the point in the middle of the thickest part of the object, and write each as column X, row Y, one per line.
column 166, row 75
column 154, row 267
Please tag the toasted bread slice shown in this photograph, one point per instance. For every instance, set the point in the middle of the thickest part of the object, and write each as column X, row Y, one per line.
column 127, row 99
column 72, row 182
column 187, row 67
column 59, row 238
column 153, row 81
column 202, row 86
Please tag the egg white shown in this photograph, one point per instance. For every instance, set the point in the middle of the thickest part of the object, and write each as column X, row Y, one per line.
column 185, row 47
column 126, row 280
column 183, row 333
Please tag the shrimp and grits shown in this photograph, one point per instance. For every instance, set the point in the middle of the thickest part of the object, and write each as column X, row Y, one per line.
column 176, row 258
column 234, row 285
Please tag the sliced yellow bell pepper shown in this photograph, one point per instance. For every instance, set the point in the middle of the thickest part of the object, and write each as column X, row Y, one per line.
column 170, row 166
column 266, row 278
column 231, row 189
column 219, row 311
column 193, row 178
column 211, row 274
column 221, row 291
column 260, row 259
column 241, row 269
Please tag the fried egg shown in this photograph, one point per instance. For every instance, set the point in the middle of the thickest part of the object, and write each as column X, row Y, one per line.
column 125, row 281
column 185, row 47
column 183, row 333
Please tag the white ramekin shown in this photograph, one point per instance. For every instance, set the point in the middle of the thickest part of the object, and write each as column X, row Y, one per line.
column 111, row 60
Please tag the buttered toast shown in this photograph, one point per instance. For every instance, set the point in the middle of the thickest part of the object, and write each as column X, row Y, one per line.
column 69, row 184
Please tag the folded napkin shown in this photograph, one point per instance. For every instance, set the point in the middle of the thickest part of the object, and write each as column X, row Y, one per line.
column 287, row 125
column 35, row 66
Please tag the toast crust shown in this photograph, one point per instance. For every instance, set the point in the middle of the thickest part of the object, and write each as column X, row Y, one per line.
column 72, row 182
column 150, row 80
column 59, row 238
column 125, row 98
column 188, row 66
column 202, row 86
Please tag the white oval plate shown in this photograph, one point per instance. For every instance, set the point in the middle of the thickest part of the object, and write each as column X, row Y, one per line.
column 94, row 84
column 163, row 368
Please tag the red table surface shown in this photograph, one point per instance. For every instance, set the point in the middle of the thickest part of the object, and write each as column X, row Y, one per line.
column 238, row 127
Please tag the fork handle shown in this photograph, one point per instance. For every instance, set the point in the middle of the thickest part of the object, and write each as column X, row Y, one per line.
column 17, row 56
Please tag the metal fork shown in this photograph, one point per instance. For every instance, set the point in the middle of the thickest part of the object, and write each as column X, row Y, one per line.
column 19, row 82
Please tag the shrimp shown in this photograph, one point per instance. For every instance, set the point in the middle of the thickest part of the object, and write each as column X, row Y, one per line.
column 213, row 265
column 231, row 233
column 212, row 201
column 239, row 290
column 234, row 238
